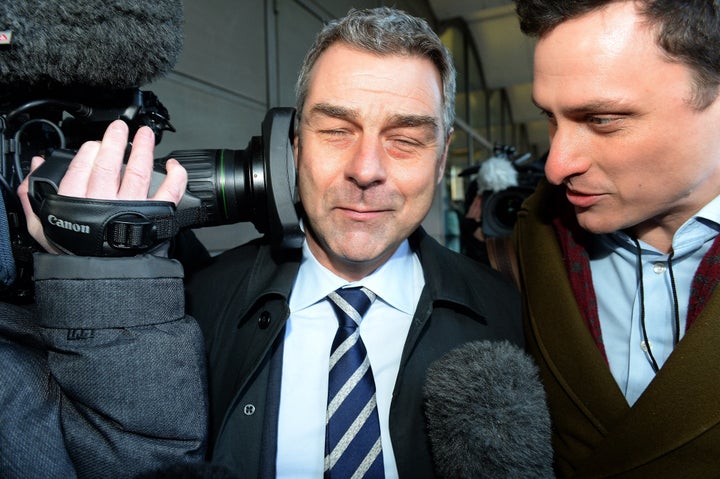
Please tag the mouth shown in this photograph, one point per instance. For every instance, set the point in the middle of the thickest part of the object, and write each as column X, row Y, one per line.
column 361, row 214
column 582, row 199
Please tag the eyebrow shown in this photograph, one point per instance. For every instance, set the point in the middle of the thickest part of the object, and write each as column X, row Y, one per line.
column 334, row 111
column 396, row 120
column 591, row 107
column 414, row 121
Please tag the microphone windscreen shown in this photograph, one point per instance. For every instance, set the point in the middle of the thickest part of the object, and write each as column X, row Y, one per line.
column 496, row 174
column 100, row 44
column 487, row 415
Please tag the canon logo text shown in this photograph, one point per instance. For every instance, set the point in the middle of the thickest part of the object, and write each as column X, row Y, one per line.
column 68, row 225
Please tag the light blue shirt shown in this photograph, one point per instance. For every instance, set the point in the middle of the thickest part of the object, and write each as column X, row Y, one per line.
column 617, row 287
column 308, row 338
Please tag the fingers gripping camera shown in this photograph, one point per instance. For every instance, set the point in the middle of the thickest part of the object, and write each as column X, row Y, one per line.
column 224, row 186
column 91, row 227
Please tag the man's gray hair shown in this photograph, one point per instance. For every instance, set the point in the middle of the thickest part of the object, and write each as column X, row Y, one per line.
column 384, row 31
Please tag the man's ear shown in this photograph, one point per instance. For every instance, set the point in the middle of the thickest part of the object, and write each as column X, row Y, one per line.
column 443, row 159
column 296, row 147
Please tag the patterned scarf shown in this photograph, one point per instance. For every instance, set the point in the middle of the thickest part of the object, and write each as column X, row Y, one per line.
column 573, row 241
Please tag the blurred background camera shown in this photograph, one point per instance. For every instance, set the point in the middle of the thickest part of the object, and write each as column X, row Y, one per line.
column 496, row 189
column 501, row 203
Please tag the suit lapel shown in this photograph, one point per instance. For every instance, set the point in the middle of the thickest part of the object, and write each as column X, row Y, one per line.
column 563, row 338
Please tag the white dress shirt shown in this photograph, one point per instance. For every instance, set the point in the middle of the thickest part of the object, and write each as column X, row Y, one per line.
column 308, row 338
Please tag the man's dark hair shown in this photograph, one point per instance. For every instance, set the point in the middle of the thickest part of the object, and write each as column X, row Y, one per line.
column 688, row 31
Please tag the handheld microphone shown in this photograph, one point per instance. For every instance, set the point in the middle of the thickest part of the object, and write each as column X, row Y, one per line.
column 486, row 414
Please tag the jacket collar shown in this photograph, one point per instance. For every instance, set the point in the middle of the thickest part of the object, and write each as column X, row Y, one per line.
column 459, row 289
column 273, row 275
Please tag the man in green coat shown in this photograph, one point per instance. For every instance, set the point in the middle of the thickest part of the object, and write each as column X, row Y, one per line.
column 618, row 253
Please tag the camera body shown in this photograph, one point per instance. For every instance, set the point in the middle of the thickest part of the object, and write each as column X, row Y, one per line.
column 500, row 208
column 225, row 186
column 34, row 121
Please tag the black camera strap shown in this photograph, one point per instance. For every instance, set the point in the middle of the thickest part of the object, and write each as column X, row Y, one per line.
column 90, row 227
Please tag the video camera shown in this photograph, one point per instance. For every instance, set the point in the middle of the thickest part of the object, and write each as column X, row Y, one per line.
column 500, row 208
column 255, row 184
column 504, row 181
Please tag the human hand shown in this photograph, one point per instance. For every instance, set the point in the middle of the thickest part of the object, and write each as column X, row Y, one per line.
column 475, row 209
column 96, row 172
column 474, row 216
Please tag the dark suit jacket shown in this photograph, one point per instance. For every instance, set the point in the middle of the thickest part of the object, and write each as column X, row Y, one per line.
column 241, row 302
column 672, row 431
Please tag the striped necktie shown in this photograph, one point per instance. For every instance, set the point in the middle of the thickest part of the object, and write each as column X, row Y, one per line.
column 352, row 440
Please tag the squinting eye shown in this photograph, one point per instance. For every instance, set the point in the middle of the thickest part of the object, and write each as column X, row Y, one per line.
column 405, row 142
column 402, row 148
column 334, row 132
column 597, row 120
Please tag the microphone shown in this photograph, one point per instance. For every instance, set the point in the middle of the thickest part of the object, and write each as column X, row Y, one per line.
column 496, row 174
column 83, row 44
column 486, row 414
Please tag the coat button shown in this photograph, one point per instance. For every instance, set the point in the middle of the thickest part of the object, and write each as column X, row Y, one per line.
column 264, row 320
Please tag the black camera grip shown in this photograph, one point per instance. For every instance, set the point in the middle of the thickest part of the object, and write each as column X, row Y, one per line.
column 90, row 227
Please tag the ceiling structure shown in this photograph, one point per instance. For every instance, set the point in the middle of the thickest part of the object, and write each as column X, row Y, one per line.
column 506, row 55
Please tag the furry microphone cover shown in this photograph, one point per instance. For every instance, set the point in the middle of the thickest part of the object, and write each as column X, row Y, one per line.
column 486, row 414
column 110, row 44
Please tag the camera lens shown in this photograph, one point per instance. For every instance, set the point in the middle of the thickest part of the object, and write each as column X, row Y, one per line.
column 500, row 210
column 254, row 185
column 506, row 210
column 229, row 183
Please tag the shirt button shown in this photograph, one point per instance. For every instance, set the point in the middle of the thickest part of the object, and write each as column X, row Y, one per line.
column 659, row 267
column 249, row 409
column 645, row 346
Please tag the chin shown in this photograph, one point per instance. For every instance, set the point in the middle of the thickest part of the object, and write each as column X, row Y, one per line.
column 599, row 225
column 362, row 250
column 357, row 255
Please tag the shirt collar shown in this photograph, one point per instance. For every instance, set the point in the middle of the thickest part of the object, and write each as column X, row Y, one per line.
column 701, row 227
column 314, row 281
column 708, row 215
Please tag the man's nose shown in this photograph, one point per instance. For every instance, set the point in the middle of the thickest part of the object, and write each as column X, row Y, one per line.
column 569, row 155
column 367, row 165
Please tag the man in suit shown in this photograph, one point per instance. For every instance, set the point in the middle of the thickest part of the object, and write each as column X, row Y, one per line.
column 375, row 108
column 618, row 251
